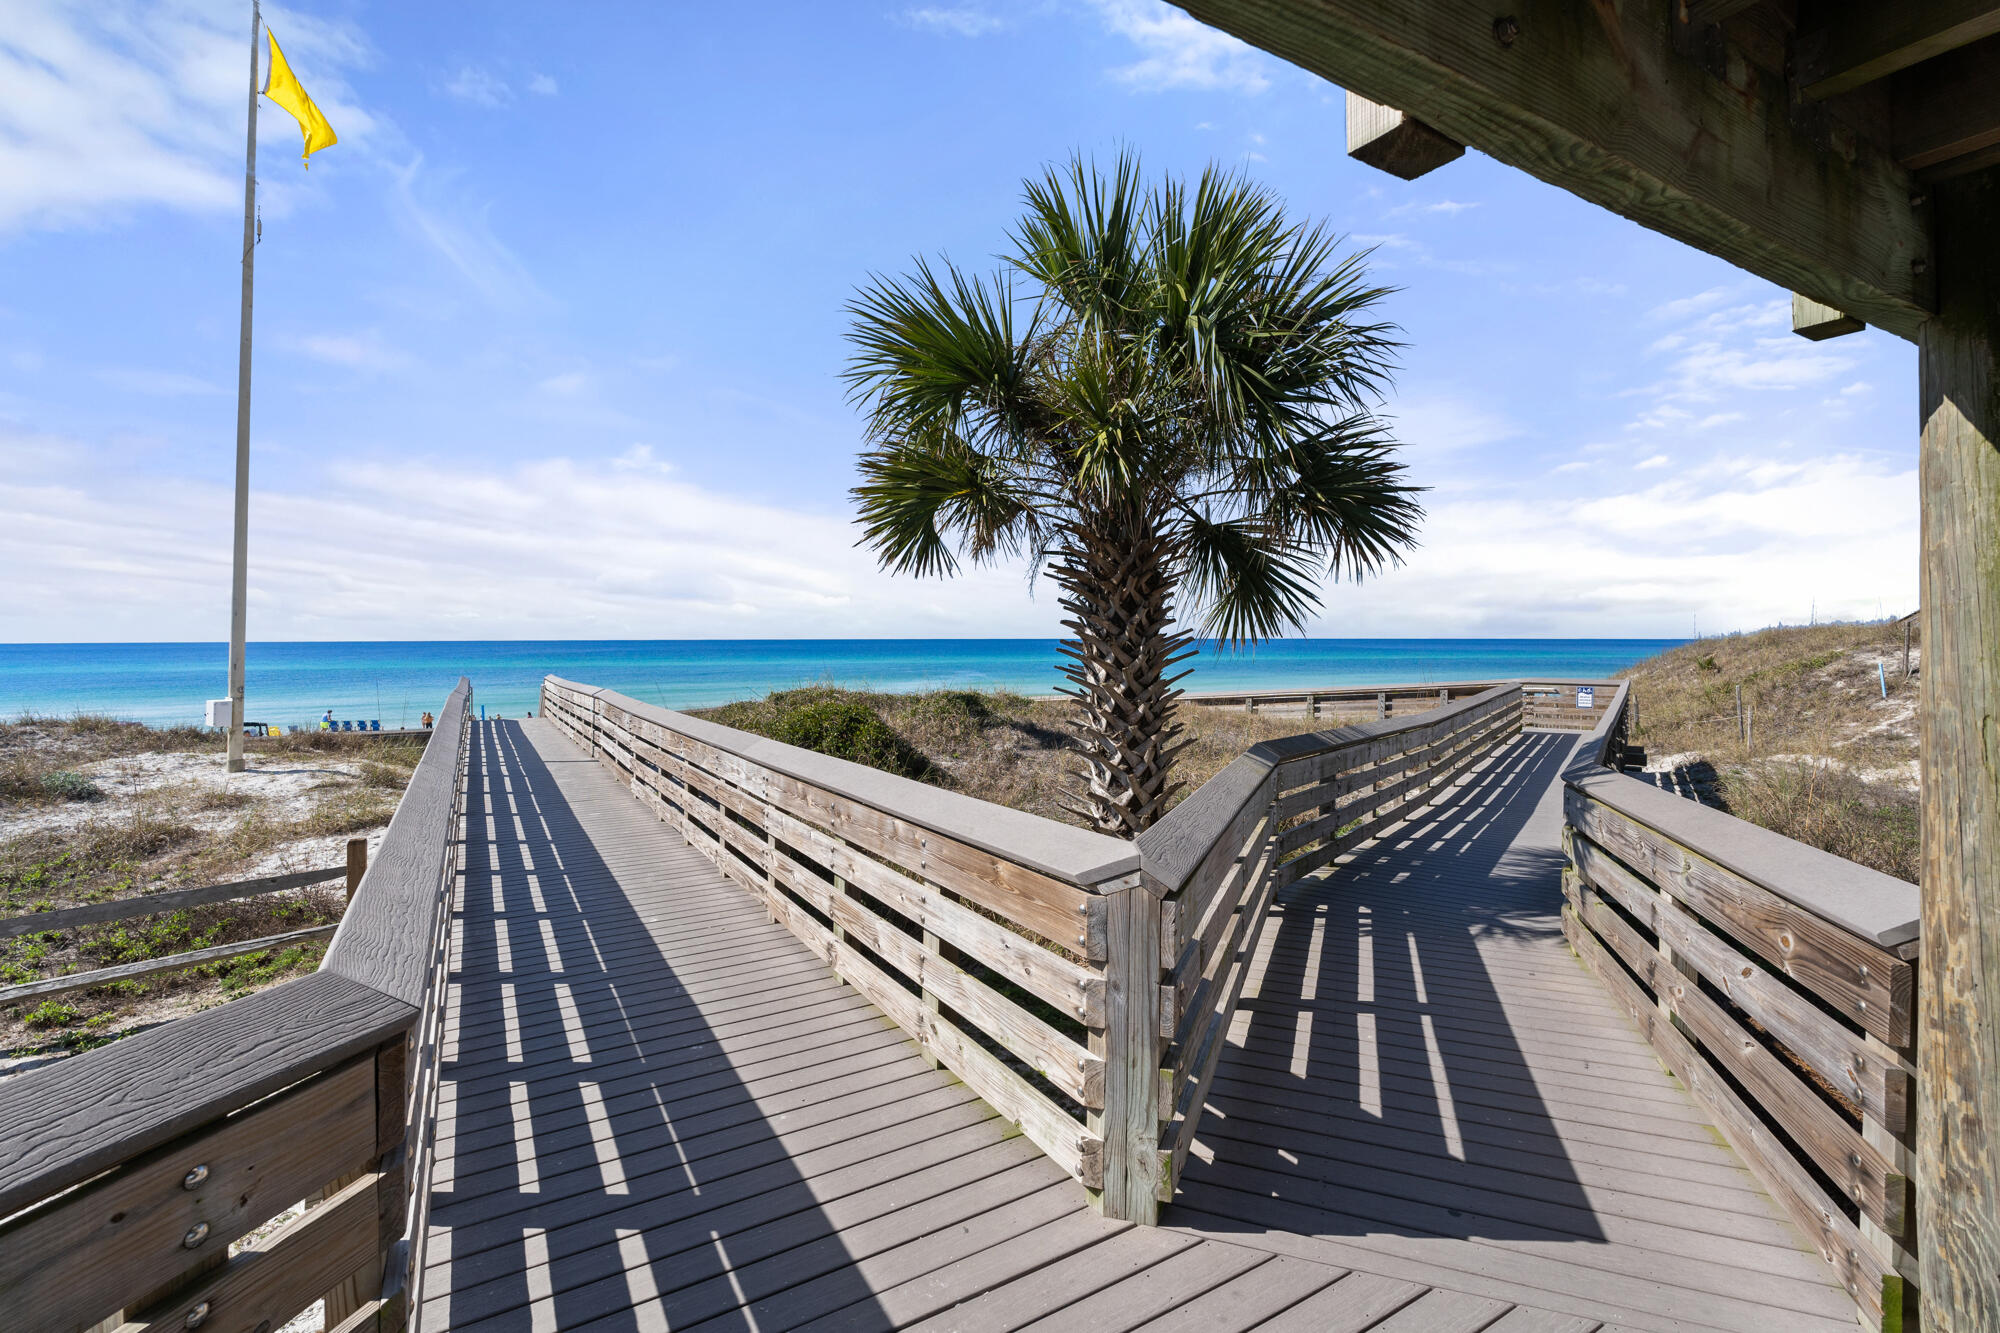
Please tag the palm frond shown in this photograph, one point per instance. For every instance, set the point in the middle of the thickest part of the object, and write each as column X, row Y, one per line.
column 920, row 498
column 1246, row 581
column 931, row 351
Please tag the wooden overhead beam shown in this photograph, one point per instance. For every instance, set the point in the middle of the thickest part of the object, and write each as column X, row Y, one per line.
column 1945, row 114
column 1390, row 141
column 1819, row 322
column 1700, row 13
column 1592, row 98
column 1843, row 44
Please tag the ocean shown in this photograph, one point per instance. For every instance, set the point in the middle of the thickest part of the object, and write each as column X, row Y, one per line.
column 394, row 683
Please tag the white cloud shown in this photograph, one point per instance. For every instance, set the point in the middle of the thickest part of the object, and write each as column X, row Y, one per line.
column 434, row 206
column 1447, row 207
column 109, row 107
column 543, row 85
column 479, row 86
column 954, row 20
column 430, row 551
column 1180, row 51
column 566, row 385
column 159, row 383
column 355, row 351
column 1648, row 464
column 1445, row 424
column 1742, row 546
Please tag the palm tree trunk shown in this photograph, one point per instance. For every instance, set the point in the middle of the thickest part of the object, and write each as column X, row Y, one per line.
column 1117, row 592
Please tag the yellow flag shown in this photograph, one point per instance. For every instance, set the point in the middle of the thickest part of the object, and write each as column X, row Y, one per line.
column 283, row 88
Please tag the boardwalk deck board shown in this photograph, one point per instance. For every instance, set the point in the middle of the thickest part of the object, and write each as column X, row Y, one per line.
column 661, row 1110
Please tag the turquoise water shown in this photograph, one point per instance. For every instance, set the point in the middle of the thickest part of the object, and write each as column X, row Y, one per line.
column 294, row 683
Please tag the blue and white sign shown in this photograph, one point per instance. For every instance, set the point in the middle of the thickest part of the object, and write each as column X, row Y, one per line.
column 1586, row 696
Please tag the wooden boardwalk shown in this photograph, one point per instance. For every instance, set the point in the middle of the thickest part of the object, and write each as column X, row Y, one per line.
column 662, row 1111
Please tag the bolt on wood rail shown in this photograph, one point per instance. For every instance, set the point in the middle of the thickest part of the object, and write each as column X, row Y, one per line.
column 126, row 1172
column 1777, row 982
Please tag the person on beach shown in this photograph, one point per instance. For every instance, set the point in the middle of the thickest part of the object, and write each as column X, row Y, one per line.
column 427, row 721
column 326, row 723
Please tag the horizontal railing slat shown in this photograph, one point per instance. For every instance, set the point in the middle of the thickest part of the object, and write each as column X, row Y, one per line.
column 269, row 1284
column 64, row 1123
column 146, row 967
column 77, row 1259
column 152, row 904
column 1837, row 1239
column 1841, row 1056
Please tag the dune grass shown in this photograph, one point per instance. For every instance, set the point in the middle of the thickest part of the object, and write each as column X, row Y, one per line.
column 1828, row 759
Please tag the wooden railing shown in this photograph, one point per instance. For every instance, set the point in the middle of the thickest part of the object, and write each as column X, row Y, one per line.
column 127, row 1172
column 172, row 900
column 1777, row 983
column 1284, row 810
column 1350, row 701
column 1020, row 953
column 1082, row 985
column 1553, row 706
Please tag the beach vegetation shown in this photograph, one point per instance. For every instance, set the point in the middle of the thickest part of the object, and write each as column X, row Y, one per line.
column 851, row 730
column 67, row 785
column 166, row 819
column 1165, row 401
column 1823, row 747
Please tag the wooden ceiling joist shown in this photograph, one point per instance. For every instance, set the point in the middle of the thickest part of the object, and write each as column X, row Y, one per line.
column 1843, row 44
column 1390, row 141
column 1590, row 98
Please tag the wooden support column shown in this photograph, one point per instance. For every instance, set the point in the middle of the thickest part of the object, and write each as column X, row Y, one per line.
column 1958, row 1037
column 357, row 864
column 1129, row 1045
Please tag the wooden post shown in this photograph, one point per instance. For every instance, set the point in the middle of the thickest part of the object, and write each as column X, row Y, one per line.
column 357, row 864
column 1382, row 703
column 1129, row 1045
column 1906, row 650
column 1958, row 1035
column 1742, row 735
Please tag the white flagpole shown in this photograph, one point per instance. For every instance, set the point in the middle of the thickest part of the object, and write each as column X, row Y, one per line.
column 239, row 585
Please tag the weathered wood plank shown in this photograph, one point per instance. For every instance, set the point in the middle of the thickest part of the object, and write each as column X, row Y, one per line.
column 1067, row 1142
column 1390, row 141
column 99, row 1249
column 1848, row 43
column 384, row 936
column 1601, row 105
column 62, row 1124
column 146, row 967
column 1128, row 1045
column 265, row 1286
column 1836, row 1147
column 1877, row 1085
column 1859, row 979
column 173, row 900
column 1837, row 1239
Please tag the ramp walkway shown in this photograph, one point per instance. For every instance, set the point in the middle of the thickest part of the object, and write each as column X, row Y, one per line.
column 660, row 1110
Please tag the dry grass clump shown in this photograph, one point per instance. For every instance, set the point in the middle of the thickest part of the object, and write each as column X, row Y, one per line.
column 1875, row 824
column 1004, row 747
column 1828, row 762
column 1810, row 690
column 176, row 835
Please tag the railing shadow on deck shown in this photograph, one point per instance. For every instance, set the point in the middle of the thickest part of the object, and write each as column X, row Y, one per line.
column 1379, row 1040
column 617, row 1085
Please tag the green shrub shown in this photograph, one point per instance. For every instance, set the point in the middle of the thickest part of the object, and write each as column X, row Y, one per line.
column 852, row 731
column 68, row 786
column 50, row 1014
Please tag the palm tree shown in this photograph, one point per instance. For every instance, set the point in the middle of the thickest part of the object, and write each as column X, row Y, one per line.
column 1164, row 400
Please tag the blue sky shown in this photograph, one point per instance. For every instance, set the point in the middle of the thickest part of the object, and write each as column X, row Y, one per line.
column 548, row 345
